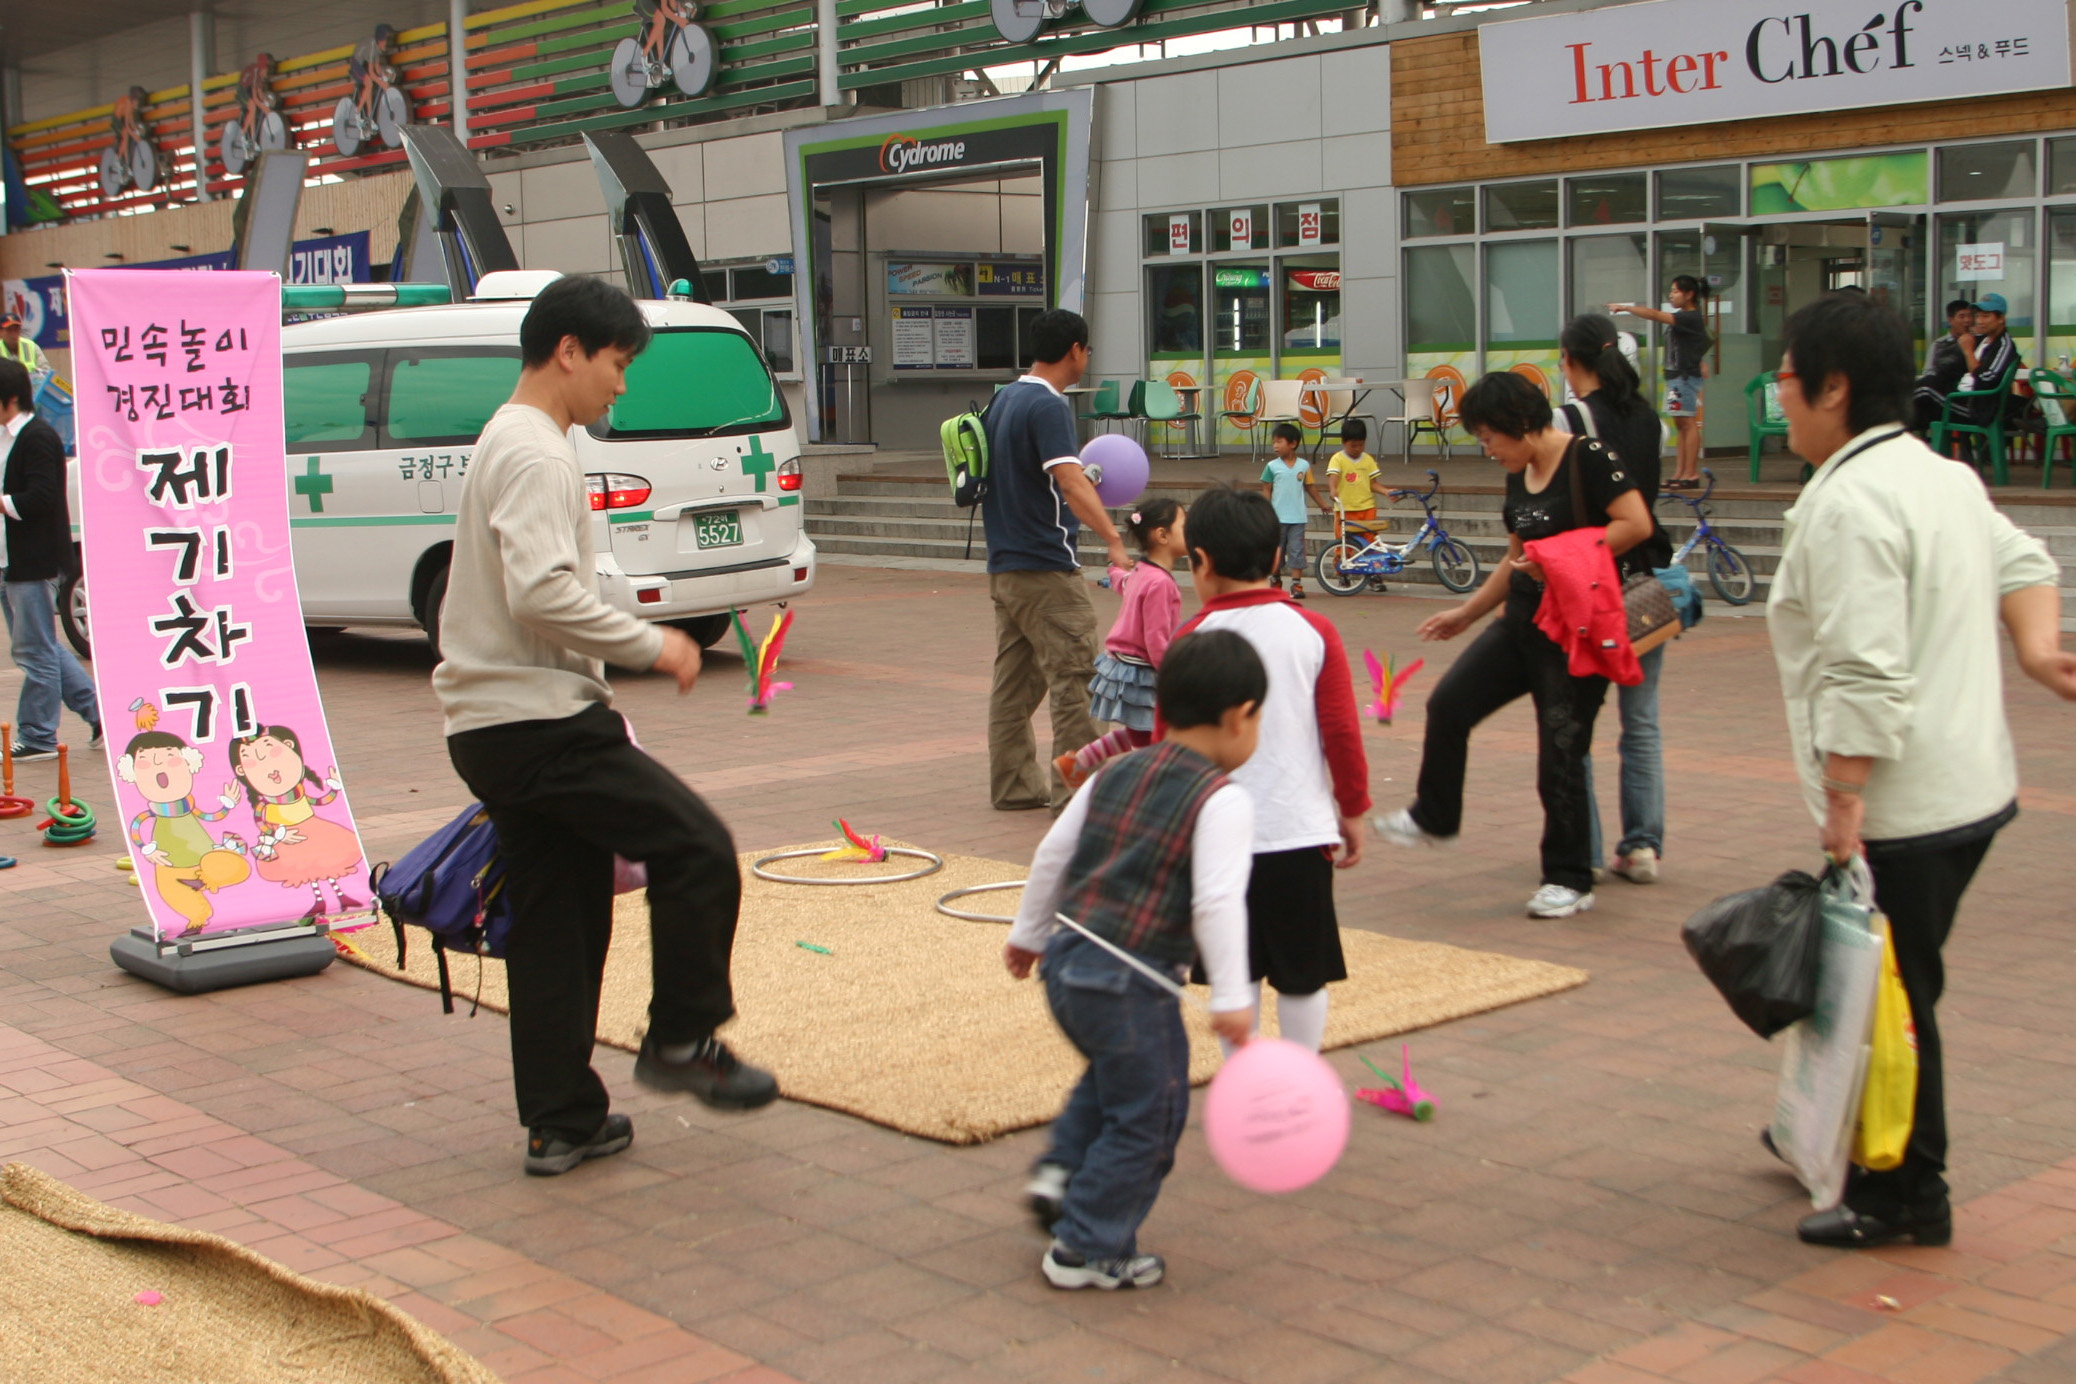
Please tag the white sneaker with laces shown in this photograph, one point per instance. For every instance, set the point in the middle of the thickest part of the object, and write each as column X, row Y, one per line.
column 1639, row 866
column 22, row 754
column 1046, row 1193
column 1556, row 901
column 1400, row 829
column 1065, row 1269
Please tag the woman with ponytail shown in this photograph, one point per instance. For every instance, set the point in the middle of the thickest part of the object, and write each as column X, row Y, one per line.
column 1686, row 349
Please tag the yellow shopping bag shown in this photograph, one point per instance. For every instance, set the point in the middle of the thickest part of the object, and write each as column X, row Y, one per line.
column 1889, row 1101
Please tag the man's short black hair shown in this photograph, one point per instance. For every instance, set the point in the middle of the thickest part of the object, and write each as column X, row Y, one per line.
column 1056, row 332
column 1853, row 336
column 1507, row 404
column 14, row 384
column 1288, row 432
column 1237, row 531
column 1355, row 430
column 1959, row 305
column 1206, row 674
column 593, row 311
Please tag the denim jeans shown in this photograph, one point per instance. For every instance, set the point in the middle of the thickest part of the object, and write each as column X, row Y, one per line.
column 1643, row 767
column 1117, row 1136
column 51, row 676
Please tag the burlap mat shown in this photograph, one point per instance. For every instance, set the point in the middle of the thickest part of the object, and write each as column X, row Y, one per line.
column 71, row 1268
column 910, row 1020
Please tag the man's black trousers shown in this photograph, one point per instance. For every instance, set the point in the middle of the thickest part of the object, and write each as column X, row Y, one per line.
column 566, row 797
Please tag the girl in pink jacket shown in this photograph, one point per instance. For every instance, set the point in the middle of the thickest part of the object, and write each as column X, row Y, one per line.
column 1122, row 689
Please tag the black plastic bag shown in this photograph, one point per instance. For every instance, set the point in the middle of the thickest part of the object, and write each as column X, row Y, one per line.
column 1760, row 948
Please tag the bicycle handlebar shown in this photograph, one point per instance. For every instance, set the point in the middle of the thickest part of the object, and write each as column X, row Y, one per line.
column 1403, row 494
column 1696, row 501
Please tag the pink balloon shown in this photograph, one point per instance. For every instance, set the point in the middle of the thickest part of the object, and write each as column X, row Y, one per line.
column 1118, row 468
column 1276, row 1116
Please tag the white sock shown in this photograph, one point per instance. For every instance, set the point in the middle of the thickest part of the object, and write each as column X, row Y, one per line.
column 1253, row 1018
column 1302, row 1018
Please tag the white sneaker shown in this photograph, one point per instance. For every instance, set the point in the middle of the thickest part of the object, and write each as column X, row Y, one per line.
column 1400, row 829
column 1065, row 1269
column 1046, row 1194
column 1556, row 901
column 1639, row 866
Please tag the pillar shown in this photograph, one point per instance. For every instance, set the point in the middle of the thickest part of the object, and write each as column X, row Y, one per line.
column 458, row 66
column 828, row 70
column 201, row 44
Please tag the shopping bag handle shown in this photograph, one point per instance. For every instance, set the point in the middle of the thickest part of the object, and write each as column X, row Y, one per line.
column 1849, row 877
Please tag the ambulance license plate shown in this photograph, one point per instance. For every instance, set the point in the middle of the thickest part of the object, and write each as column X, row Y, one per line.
column 718, row 530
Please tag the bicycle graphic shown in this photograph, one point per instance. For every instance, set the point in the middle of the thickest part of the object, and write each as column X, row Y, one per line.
column 1729, row 571
column 259, row 124
column 377, row 108
column 669, row 47
column 1364, row 557
column 132, row 164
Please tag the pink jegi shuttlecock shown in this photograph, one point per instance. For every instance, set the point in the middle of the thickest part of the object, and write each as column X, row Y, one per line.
column 1400, row 1096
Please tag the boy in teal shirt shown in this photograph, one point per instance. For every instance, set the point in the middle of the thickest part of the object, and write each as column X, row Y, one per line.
column 1287, row 480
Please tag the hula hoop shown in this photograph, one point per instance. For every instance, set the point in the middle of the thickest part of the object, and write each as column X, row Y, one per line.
column 936, row 864
column 964, row 916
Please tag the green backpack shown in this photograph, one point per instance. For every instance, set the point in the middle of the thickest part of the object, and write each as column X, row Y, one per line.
column 965, row 440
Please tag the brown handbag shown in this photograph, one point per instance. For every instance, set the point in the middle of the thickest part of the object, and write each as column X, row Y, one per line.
column 1646, row 601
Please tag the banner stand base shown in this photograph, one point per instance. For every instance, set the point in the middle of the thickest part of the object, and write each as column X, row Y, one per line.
column 218, row 963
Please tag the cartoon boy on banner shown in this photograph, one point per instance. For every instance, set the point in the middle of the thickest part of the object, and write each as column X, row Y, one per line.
column 192, row 600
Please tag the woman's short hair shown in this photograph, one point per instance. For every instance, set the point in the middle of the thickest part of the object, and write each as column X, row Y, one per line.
column 1506, row 403
column 1852, row 336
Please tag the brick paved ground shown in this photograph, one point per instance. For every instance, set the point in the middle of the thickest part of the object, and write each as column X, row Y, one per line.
column 1591, row 1204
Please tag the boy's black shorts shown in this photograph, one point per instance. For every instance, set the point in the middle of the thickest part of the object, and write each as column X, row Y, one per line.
column 1293, row 933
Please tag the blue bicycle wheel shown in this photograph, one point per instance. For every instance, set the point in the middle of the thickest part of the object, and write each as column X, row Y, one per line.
column 1730, row 573
column 1337, row 570
column 1455, row 565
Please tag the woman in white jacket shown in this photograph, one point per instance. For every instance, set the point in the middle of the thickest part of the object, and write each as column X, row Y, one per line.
column 1894, row 573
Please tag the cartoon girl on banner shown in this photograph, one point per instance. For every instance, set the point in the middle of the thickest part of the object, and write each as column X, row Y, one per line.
column 188, row 865
column 296, row 848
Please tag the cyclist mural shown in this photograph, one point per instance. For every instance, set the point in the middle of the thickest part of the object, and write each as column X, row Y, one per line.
column 377, row 106
column 259, row 124
column 667, row 47
column 132, row 164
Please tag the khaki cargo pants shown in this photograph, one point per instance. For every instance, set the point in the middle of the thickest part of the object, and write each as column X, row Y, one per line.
column 1045, row 642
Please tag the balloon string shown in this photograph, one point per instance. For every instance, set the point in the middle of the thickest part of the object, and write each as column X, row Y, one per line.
column 1165, row 982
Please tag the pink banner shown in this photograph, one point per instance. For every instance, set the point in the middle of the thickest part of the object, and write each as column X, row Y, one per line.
column 224, row 776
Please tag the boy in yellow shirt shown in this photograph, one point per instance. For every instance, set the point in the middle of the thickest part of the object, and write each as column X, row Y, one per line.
column 1352, row 476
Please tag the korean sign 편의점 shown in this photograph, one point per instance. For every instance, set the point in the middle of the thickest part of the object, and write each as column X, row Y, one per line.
column 224, row 771
column 1670, row 63
column 1179, row 237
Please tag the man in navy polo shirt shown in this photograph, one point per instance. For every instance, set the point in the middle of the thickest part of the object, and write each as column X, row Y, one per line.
column 1045, row 624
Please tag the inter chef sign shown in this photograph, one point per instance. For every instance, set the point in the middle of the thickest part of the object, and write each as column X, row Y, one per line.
column 1686, row 62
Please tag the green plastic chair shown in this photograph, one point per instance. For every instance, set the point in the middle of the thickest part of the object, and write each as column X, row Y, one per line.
column 2057, row 401
column 1103, row 404
column 1161, row 402
column 1762, row 406
column 1991, row 432
column 1246, row 417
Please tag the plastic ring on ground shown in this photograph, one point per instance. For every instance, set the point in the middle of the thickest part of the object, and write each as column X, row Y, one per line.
column 936, row 864
column 6, row 862
column 963, row 915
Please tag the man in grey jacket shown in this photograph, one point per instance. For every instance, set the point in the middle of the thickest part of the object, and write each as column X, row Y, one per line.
column 531, row 730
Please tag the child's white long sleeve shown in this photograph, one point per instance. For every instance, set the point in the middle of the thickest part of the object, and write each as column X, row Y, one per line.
column 1221, row 857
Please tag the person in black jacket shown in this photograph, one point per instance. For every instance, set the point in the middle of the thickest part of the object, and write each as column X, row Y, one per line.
column 38, row 551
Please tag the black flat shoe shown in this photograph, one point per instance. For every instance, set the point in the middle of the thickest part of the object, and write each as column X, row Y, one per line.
column 1844, row 1228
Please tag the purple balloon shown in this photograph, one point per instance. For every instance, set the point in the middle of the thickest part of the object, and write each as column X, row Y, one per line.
column 1118, row 467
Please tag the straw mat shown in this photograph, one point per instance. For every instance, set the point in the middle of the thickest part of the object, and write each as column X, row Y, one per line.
column 910, row 1020
column 69, row 1312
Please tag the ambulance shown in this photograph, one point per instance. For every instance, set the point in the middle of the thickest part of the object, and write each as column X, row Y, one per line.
column 693, row 475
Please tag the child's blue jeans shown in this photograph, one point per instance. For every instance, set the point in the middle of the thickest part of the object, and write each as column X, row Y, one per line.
column 1117, row 1136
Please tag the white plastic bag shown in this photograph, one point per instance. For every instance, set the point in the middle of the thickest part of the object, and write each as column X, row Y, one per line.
column 1824, row 1065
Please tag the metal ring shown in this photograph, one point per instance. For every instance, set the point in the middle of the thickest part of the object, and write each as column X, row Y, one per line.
column 757, row 867
column 977, row 889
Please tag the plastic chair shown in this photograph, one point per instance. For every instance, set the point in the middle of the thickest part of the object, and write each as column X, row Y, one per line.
column 1762, row 407
column 1242, row 403
column 1189, row 397
column 1991, row 432
column 1103, row 404
column 1282, row 401
column 1160, row 403
column 1447, row 384
column 2057, row 400
column 1417, row 412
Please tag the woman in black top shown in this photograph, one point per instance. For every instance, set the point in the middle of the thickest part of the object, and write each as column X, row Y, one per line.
column 1512, row 420
column 1686, row 351
column 1610, row 409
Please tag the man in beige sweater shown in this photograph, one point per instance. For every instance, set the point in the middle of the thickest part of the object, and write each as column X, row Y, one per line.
column 531, row 730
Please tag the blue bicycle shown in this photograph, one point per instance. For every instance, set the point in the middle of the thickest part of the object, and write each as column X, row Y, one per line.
column 1729, row 571
column 1363, row 557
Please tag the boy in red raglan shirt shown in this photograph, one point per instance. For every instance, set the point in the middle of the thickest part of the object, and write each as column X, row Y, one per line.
column 1310, row 775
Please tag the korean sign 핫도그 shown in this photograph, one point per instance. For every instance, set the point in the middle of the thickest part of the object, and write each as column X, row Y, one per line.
column 225, row 778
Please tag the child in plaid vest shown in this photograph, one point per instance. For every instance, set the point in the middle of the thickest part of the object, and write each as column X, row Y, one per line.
column 1150, row 859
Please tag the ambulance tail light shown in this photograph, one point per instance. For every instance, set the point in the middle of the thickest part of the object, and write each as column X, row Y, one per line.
column 614, row 491
column 789, row 474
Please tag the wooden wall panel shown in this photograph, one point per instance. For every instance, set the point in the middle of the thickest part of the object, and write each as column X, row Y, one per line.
column 1438, row 125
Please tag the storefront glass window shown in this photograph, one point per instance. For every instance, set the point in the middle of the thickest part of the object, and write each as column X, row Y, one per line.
column 1441, row 314
column 1522, row 206
column 1607, row 199
column 1175, row 233
column 1175, row 310
column 1610, row 269
column 2061, row 290
column 1978, row 172
column 1441, row 211
column 2061, row 167
column 1521, row 298
column 1991, row 252
column 1311, row 305
column 1240, row 308
column 1694, row 194
column 1301, row 225
column 1240, row 228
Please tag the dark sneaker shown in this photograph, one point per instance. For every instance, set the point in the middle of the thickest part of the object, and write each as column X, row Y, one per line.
column 1046, row 1194
column 1844, row 1228
column 709, row 1071
column 1064, row 1268
column 22, row 754
column 550, row 1155
column 95, row 742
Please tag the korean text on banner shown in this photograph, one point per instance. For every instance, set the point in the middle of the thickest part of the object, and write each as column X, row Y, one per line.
column 224, row 770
